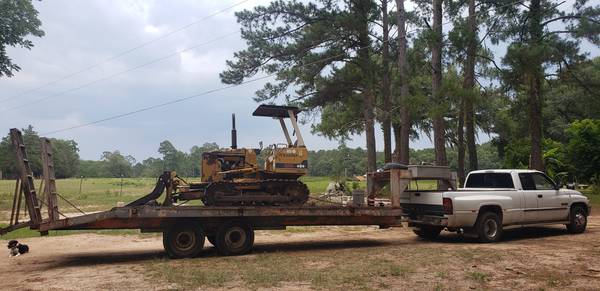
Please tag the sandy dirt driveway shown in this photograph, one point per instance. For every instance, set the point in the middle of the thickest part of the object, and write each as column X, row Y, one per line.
column 531, row 258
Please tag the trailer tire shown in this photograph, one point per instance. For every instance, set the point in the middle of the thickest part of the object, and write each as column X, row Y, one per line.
column 429, row 232
column 183, row 241
column 489, row 227
column 234, row 238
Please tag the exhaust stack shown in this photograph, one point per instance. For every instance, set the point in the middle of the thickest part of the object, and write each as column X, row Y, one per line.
column 233, row 133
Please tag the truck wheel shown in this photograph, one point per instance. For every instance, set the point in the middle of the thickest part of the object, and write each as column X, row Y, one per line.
column 577, row 219
column 234, row 238
column 428, row 231
column 183, row 241
column 489, row 227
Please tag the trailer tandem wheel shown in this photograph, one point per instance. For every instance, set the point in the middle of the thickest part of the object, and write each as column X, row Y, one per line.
column 234, row 237
column 183, row 240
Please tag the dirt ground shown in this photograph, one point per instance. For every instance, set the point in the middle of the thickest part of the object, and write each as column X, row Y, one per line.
column 315, row 258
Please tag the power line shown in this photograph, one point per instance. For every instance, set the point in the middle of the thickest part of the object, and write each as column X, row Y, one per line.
column 158, row 105
column 221, row 88
column 125, row 52
column 120, row 72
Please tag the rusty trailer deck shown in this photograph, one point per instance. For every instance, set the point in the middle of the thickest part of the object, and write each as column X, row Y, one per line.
column 158, row 218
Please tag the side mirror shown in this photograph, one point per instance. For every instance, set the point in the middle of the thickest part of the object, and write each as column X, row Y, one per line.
column 558, row 185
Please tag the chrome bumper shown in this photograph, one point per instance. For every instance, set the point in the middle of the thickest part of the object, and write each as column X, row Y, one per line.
column 428, row 220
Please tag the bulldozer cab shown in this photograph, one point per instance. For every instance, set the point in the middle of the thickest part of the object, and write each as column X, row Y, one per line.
column 291, row 157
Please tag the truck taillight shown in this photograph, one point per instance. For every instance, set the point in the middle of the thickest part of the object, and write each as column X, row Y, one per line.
column 448, row 209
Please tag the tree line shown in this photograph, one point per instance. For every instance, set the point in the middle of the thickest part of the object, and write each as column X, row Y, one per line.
column 579, row 156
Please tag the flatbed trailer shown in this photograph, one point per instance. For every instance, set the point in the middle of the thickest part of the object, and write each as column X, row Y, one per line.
column 160, row 219
column 229, row 229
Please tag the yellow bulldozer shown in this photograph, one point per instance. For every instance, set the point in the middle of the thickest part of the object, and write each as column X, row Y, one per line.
column 233, row 177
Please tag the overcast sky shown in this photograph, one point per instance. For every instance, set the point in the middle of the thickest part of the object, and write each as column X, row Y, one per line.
column 80, row 34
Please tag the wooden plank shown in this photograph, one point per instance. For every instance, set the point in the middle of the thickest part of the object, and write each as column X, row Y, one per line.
column 14, row 204
column 50, row 179
column 31, row 201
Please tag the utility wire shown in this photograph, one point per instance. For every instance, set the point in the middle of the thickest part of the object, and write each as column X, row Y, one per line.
column 158, row 105
column 29, row 103
column 222, row 88
column 125, row 52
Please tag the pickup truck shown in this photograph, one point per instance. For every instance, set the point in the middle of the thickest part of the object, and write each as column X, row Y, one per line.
column 493, row 200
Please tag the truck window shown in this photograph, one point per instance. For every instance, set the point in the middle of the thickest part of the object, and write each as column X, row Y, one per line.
column 527, row 181
column 535, row 181
column 542, row 182
column 489, row 180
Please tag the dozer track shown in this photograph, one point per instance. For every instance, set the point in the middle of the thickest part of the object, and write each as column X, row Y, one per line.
column 265, row 192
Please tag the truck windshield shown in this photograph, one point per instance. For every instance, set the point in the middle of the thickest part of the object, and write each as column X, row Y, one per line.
column 489, row 180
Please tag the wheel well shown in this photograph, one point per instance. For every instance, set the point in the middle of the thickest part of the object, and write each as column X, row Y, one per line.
column 491, row 208
column 585, row 207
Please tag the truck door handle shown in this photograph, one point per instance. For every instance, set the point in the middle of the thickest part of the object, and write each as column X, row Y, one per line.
column 540, row 195
column 417, row 194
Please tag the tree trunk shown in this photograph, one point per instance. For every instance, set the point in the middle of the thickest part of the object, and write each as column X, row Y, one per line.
column 534, row 101
column 385, row 83
column 403, row 74
column 397, row 128
column 461, row 142
column 469, row 85
column 362, row 7
column 436, row 85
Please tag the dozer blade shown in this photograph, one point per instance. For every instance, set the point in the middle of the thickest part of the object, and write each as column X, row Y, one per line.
column 161, row 184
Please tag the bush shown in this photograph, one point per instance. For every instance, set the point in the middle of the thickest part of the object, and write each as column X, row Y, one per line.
column 583, row 148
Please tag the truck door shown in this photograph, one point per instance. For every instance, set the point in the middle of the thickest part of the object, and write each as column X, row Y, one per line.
column 530, row 195
column 552, row 205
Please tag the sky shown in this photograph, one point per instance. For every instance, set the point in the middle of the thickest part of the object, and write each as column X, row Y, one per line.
column 83, row 37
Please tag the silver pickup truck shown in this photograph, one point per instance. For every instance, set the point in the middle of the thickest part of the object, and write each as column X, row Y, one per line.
column 493, row 200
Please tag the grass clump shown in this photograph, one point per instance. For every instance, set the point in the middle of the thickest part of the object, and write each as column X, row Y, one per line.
column 477, row 276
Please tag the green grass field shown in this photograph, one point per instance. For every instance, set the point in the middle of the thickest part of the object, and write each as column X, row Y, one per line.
column 104, row 193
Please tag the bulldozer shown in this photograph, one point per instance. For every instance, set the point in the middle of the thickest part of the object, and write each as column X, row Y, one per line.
column 232, row 177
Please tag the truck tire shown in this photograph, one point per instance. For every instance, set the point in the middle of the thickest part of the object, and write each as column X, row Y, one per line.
column 234, row 238
column 183, row 241
column 489, row 227
column 428, row 231
column 577, row 219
